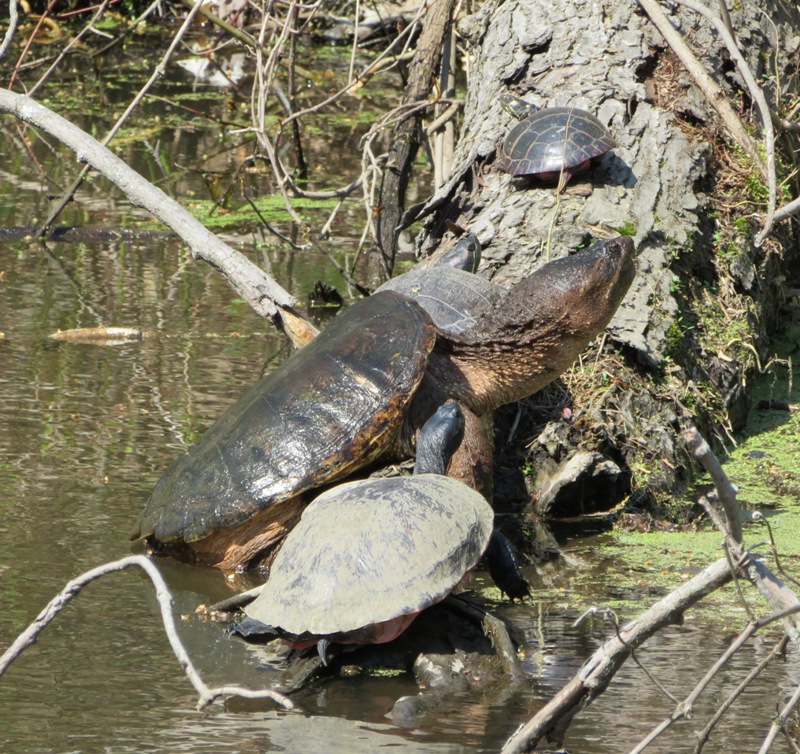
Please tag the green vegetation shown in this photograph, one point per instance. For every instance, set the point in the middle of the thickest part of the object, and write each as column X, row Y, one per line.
column 272, row 208
column 764, row 468
column 628, row 228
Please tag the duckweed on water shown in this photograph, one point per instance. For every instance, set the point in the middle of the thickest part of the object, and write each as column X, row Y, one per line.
column 764, row 468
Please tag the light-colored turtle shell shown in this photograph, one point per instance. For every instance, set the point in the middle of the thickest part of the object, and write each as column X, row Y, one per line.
column 453, row 298
column 331, row 408
column 366, row 552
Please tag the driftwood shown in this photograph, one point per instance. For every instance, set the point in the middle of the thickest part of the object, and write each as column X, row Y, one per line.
column 206, row 694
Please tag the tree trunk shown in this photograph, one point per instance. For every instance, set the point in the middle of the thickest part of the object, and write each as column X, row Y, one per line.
column 687, row 332
column 406, row 136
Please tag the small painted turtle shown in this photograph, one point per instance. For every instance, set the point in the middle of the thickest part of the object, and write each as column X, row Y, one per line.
column 546, row 143
column 362, row 389
column 367, row 557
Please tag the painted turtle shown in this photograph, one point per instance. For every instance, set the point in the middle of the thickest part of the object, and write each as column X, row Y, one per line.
column 546, row 143
column 367, row 557
column 362, row 389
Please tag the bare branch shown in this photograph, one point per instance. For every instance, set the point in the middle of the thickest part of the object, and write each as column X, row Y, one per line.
column 758, row 97
column 13, row 20
column 260, row 291
column 777, row 595
column 712, row 91
column 596, row 673
column 777, row 651
column 786, row 210
column 157, row 73
column 73, row 588
column 725, row 490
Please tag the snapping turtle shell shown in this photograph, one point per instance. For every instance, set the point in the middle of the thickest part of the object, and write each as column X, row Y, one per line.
column 364, row 386
column 454, row 298
column 326, row 411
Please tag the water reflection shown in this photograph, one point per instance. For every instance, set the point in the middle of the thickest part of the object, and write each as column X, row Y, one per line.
column 85, row 431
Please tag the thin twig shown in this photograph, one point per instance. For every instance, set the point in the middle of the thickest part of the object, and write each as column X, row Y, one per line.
column 235, row 32
column 712, row 91
column 157, row 73
column 72, row 43
column 129, row 29
column 780, row 722
column 596, row 673
column 684, row 708
column 29, row 41
column 775, row 555
column 758, row 97
column 404, row 36
column 772, row 589
column 73, row 588
column 13, row 20
column 777, row 651
column 788, row 209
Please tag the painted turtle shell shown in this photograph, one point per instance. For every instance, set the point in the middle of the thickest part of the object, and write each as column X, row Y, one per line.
column 329, row 409
column 553, row 140
column 371, row 552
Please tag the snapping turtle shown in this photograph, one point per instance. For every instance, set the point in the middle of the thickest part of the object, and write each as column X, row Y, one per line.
column 367, row 557
column 360, row 390
column 546, row 143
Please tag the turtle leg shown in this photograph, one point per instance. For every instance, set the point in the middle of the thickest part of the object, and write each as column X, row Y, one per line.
column 472, row 461
column 503, row 567
column 253, row 631
column 322, row 650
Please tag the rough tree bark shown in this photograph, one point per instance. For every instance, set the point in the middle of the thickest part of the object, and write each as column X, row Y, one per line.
column 663, row 184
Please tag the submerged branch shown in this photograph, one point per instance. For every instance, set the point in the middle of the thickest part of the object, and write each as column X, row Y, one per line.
column 597, row 672
column 73, row 588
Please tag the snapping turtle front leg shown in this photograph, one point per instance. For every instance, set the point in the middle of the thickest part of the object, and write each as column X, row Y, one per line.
column 472, row 461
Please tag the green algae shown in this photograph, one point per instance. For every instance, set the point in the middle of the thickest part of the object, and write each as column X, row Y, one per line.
column 631, row 568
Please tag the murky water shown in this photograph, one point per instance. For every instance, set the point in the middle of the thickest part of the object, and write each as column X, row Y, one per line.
column 85, row 431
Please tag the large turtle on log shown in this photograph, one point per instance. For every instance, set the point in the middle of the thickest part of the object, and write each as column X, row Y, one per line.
column 361, row 390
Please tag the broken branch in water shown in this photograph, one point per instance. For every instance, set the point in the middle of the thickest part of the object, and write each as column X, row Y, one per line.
column 259, row 290
column 596, row 673
column 73, row 588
